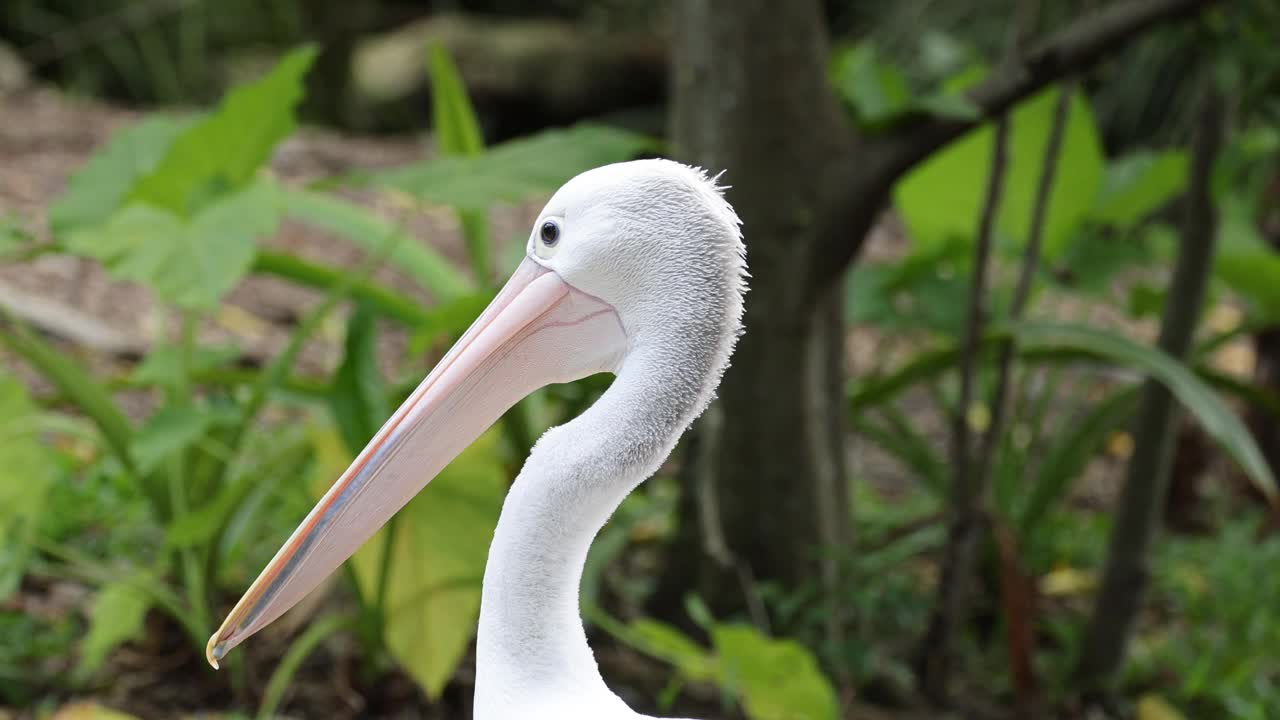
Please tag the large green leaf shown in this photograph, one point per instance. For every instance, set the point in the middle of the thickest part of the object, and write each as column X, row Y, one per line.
column 116, row 617
column 515, row 170
column 358, row 225
column 438, row 543
column 777, row 679
column 96, row 190
column 1137, row 185
column 26, row 473
column 224, row 150
column 190, row 263
column 941, row 199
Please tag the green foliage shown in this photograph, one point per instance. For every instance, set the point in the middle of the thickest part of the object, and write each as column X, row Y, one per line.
column 421, row 263
column 357, row 396
column 879, row 93
column 116, row 616
column 26, row 472
column 773, row 679
column 940, row 199
column 1218, row 647
column 189, row 263
column 1138, row 184
column 97, row 189
column 223, row 151
column 514, row 170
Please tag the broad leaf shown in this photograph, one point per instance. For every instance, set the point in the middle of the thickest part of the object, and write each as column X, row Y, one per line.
column 941, row 199
column 1137, row 185
column 439, row 543
column 777, row 679
column 96, row 190
column 416, row 259
column 358, row 397
column 515, row 170
column 672, row 646
column 116, row 617
column 223, row 151
column 190, row 263
column 26, row 473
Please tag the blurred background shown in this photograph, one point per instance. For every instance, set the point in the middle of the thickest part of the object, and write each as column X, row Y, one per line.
column 999, row 442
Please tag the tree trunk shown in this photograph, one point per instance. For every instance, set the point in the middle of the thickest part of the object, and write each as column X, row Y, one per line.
column 766, row 492
column 1142, row 498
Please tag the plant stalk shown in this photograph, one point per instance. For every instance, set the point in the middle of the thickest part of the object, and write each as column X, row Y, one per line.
column 1142, row 499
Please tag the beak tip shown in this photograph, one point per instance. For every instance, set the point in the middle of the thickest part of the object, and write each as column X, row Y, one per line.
column 215, row 651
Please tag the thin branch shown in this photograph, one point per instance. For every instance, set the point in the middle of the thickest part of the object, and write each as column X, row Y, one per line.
column 1026, row 276
column 1065, row 53
column 964, row 502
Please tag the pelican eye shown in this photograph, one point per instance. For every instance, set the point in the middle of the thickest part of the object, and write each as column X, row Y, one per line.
column 550, row 233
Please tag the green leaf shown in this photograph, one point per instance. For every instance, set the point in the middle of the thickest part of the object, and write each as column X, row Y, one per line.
column 190, row 263
column 358, row 397
column 73, row 382
column 223, row 151
column 941, row 198
column 417, row 260
column 1217, row 420
column 26, row 474
column 162, row 367
column 116, row 617
column 170, row 430
column 457, row 132
column 98, row 188
column 515, row 170
column 777, row 679
column 1071, row 452
column 876, row 91
column 439, row 543
column 1137, row 185
column 672, row 646
column 1245, row 263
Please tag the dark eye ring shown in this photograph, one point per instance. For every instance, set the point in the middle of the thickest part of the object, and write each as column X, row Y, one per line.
column 550, row 233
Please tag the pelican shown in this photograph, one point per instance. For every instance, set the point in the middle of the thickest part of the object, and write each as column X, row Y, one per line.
column 635, row 268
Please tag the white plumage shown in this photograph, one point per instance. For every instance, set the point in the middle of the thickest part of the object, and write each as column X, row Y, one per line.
column 643, row 276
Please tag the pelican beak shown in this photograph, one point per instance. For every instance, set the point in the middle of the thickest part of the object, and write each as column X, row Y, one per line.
column 537, row 331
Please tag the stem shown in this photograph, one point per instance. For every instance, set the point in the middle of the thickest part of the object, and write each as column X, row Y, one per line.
column 966, row 487
column 1026, row 276
column 274, row 374
column 303, row 646
column 1142, row 498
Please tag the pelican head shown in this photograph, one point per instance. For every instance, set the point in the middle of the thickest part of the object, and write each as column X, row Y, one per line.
column 635, row 268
